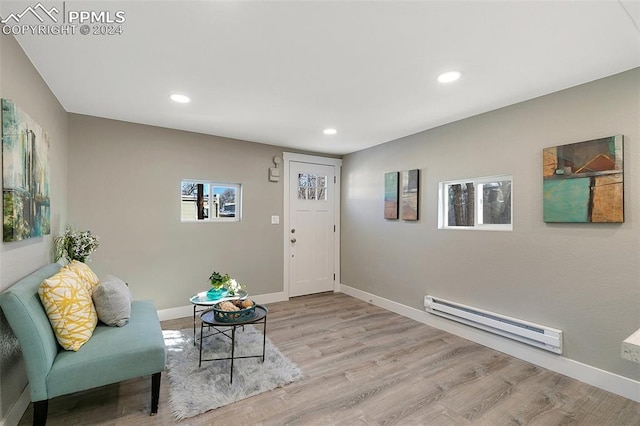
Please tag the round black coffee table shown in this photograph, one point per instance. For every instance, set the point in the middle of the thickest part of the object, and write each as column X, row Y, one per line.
column 207, row 319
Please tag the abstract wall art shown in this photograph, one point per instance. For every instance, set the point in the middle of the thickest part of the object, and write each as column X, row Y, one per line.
column 410, row 191
column 584, row 182
column 391, row 195
column 25, row 175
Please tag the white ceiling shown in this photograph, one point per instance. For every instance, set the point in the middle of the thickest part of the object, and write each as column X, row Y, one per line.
column 280, row 72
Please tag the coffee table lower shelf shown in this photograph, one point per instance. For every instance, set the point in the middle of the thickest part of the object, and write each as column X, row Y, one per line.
column 228, row 329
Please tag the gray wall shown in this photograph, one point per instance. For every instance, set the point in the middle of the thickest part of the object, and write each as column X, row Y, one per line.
column 124, row 182
column 581, row 278
column 20, row 82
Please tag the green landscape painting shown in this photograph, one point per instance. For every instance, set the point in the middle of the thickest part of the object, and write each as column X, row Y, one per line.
column 25, row 176
column 584, row 182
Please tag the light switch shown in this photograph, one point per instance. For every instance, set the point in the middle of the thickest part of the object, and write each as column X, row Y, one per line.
column 275, row 220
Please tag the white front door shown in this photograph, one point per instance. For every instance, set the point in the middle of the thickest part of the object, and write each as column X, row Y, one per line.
column 311, row 234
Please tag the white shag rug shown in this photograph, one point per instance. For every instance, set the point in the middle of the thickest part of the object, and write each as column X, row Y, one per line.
column 194, row 390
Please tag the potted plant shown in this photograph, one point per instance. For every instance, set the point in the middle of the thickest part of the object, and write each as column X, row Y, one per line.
column 218, row 289
column 222, row 286
column 75, row 245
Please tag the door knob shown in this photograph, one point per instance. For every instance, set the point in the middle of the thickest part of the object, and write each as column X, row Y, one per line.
column 293, row 240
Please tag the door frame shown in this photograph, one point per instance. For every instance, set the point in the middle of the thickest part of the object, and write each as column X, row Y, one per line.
column 288, row 157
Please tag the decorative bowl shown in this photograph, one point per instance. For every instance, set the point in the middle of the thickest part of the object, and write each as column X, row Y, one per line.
column 234, row 316
column 217, row 293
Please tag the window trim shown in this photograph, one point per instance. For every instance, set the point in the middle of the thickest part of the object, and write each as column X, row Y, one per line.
column 211, row 184
column 443, row 199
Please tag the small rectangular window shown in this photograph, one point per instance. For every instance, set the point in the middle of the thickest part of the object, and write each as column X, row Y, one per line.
column 210, row 201
column 478, row 203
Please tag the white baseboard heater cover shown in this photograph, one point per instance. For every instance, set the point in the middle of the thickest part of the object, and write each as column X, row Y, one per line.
column 532, row 334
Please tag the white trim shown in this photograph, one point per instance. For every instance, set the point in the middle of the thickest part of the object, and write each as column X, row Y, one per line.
column 175, row 313
column 593, row 376
column 337, row 210
column 288, row 157
column 313, row 159
column 186, row 311
column 17, row 410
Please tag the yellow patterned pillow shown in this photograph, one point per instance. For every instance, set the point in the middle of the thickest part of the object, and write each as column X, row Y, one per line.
column 69, row 307
column 83, row 271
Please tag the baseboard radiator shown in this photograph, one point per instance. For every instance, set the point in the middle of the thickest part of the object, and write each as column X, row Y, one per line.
column 532, row 334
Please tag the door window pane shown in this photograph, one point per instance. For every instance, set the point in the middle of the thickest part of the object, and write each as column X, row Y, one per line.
column 302, row 193
column 321, row 194
column 321, row 184
column 312, row 187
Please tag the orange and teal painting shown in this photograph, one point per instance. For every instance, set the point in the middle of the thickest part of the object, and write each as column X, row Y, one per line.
column 584, row 182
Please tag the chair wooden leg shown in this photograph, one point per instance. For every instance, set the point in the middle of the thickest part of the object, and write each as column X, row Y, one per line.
column 40, row 410
column 155, row 392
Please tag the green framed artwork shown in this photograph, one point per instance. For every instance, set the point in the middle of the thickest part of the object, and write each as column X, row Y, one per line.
column 584, row 182
column 25, row 175
column 391, row 195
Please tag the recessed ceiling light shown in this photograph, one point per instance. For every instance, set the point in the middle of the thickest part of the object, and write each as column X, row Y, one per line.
column 180, row 98
column 329, row 131
column 448, row 77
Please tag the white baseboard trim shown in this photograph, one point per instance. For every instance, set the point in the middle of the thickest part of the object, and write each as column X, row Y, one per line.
column 602, row 379
column 17, row 410
column 187, row 310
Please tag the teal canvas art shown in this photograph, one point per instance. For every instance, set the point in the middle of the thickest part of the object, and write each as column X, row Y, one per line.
column 391, row 195
column 25, row 175
column 584, row 182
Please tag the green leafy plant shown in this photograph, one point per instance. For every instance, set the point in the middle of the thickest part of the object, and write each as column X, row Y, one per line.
column 75, row 245
column 218, row 281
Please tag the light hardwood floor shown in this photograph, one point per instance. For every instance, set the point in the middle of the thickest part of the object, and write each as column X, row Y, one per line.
column 364, row 365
